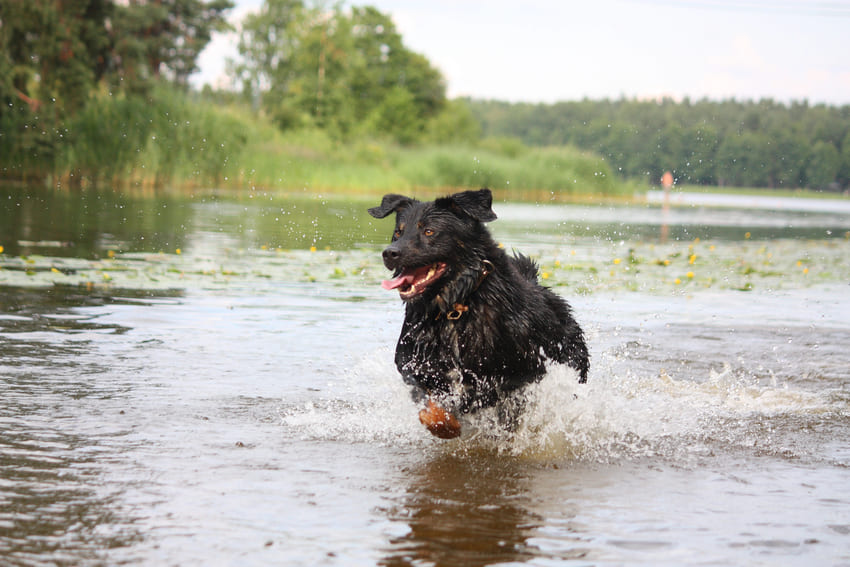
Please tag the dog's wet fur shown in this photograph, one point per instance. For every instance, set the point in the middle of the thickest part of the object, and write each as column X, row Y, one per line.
column 478, row 325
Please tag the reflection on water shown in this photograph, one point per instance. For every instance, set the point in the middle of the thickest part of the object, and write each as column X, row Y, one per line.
column 90, row 224
column 464, row 509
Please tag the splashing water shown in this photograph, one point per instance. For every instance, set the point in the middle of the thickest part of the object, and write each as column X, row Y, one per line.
column 617, row 415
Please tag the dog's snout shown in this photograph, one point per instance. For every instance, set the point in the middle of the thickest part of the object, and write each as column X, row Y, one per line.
column 391, row 256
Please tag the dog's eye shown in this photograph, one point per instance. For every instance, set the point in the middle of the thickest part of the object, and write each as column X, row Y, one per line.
column 428, row 232
column 396, row 234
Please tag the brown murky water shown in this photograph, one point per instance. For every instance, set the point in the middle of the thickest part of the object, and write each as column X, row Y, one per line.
column 236, row 403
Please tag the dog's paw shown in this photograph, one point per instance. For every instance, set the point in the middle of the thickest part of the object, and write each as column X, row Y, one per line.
column 439, row 422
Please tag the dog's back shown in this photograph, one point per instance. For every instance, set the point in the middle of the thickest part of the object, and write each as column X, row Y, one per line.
column 526, row 267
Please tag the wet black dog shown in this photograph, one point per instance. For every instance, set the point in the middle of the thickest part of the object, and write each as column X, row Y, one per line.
column 477, row 324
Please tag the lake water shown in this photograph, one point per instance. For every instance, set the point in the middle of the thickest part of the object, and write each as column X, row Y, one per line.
column 208, row 380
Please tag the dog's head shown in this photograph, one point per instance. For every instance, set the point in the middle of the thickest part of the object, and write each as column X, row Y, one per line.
column 434, row 242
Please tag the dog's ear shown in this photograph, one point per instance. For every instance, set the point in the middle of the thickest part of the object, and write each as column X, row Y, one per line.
column 475, row 204
column 391, row 204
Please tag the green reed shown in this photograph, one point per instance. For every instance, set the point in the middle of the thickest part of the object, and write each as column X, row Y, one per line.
column 177, row 139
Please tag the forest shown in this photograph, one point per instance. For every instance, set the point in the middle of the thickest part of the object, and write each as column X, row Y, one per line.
column 97, row 92
column 727, row 143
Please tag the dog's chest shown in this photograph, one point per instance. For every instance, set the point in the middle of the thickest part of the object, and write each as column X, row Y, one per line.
column 434, row 341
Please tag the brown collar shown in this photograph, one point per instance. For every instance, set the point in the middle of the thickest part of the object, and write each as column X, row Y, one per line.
column 458, row 309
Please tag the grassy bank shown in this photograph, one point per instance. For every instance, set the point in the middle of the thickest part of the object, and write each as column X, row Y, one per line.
column 179, row 140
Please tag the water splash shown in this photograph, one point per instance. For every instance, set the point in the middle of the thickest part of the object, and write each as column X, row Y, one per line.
column 618, row 415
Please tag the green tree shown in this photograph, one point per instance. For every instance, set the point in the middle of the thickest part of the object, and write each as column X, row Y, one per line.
column 741, row 160
column 55, row 53
column 52, row 54
column 342, row 71
column 786, row 162
column 163, row 38
column 759, row 144
column 266, row 44
column 397, row 116
column 823, row 166
column 453, row 124
column 844, row 169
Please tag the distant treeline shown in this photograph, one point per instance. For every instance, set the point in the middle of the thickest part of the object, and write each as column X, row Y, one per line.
column 729, row 143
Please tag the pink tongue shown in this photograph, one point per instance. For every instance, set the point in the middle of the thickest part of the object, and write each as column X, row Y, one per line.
column 398, row 282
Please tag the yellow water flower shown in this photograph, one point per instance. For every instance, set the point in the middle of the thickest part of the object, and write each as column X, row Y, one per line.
column 110, row 254
column 312, row 249
column 616, row 261
column 805, row 270
column 747, row 235
column 692, row 259
column 690, row 275
column 1, row 249
column 178, row 251
column 557, row 263
column 54, row 270
column 545, row 275
column 677, row 281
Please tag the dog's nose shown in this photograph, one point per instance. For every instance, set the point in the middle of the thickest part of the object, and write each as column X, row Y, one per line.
column 391, row 254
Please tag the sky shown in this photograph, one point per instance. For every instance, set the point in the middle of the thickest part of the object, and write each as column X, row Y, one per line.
column 549, row 50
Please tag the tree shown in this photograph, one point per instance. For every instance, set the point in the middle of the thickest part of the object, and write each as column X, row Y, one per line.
column 52, row 55
column 756, row 144
column 824, row 163
column 397, row 116
column 342, row 71
column 163, row 38
column 55, row 53
column 844, row 169
column 787, row 158
column 266, row 43
column 453, row 124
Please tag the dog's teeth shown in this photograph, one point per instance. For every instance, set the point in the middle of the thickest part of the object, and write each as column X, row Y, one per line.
column 431, row 272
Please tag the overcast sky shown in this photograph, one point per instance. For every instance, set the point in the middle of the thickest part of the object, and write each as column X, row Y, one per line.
column 548, row 50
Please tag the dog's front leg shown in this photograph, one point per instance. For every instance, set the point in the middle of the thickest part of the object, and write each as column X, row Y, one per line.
column 439, row 422
column 437, row 415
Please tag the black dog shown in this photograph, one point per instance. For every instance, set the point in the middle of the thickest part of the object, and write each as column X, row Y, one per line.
column 477, row 324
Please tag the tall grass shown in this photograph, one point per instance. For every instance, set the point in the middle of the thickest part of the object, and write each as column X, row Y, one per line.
column 165, row 138
column 176, row 139
column 563, row 171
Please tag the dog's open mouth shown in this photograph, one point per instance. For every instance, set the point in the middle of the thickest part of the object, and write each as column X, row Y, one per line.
column 410, row 282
